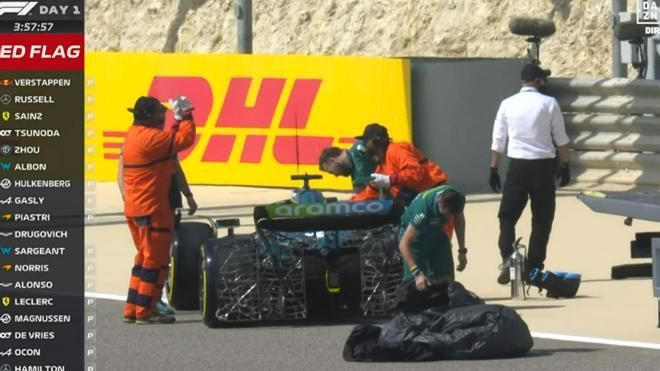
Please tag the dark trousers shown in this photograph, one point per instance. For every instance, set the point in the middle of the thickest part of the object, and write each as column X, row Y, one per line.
column 534, row 180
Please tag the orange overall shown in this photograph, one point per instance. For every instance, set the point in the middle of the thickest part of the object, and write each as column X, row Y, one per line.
column 147, row 172
column 409, row 170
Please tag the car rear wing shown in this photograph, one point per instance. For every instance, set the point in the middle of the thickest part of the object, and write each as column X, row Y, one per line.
column 339, row 215
column 327, row 223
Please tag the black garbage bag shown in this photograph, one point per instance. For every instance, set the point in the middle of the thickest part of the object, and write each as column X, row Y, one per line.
column 463, row 328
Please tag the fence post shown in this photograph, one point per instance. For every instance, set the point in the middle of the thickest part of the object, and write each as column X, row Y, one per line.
column 244, row 23
column 618, row 69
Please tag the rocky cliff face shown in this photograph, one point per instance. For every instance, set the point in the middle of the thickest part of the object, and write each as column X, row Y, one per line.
column 434, row 28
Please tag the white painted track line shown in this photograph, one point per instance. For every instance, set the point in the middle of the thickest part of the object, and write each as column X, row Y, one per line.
column 538, row 335
column 591, row 340
column 105, row 296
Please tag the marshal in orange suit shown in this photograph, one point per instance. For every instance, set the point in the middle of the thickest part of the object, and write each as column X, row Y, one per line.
column 403, row 171
column 148, row 168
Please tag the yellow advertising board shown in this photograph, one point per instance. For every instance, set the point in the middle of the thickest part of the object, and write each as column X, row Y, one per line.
column 260, row 118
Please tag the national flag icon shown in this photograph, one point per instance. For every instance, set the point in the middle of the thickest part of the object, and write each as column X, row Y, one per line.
column 7, row 216
column 6, row 115
column 7, row 267
column 6, row 82
column 6, row 301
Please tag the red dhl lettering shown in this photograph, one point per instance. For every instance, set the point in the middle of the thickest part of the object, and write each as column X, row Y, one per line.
column 235, row 114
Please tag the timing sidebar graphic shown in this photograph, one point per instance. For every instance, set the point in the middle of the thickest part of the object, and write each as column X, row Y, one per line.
column 42, row 186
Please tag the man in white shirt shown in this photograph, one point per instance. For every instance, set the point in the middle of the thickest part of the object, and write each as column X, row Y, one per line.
column 534, row 127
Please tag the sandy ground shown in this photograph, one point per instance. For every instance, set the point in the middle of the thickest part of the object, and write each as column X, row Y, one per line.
column 582, row 241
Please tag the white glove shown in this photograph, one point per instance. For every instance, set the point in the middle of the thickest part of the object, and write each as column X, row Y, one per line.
column 380, row 180
column 181, row 107
column 361, row 148
column 421, row 282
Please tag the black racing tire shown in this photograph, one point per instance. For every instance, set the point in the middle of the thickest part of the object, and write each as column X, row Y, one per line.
column 632, row 270
column 317, row 297
column 351, row 279
column 217, row 253
column 644, row 239
column 208, row 289
column 183, row 283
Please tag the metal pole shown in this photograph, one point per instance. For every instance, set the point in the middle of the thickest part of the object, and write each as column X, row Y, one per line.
column 244, row 22
column 651, row 58
column 653, row 69
column 618, row 69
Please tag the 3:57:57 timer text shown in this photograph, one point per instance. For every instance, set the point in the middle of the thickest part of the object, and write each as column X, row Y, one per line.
column 33, row 26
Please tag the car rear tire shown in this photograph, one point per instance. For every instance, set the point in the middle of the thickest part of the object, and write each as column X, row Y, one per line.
column 227, row 268
column 183, row 284
column 208, row 277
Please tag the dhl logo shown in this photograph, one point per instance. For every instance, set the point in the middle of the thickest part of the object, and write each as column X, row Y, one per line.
column 289, row 146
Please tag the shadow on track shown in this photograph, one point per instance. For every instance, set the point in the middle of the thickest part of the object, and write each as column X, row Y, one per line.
column 550, row 352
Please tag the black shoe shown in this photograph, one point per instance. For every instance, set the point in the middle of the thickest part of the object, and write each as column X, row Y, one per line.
column 129, row 319
column 505, row 276
column 527, row 273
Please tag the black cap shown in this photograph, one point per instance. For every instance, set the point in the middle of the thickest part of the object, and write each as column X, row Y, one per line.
column 374, row 131
column 532, row 71
column 146, row 107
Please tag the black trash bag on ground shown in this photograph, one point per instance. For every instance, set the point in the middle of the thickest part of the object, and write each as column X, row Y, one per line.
column 462, row 328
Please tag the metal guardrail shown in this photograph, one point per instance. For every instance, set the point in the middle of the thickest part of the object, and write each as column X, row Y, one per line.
column 614, row 126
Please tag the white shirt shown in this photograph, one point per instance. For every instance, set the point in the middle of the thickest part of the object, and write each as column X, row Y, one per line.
column 532, row 122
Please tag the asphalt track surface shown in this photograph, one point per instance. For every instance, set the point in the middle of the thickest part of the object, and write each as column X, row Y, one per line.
column 189, row 345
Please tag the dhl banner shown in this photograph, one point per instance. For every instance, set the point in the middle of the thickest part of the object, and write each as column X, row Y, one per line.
column 260, row 118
